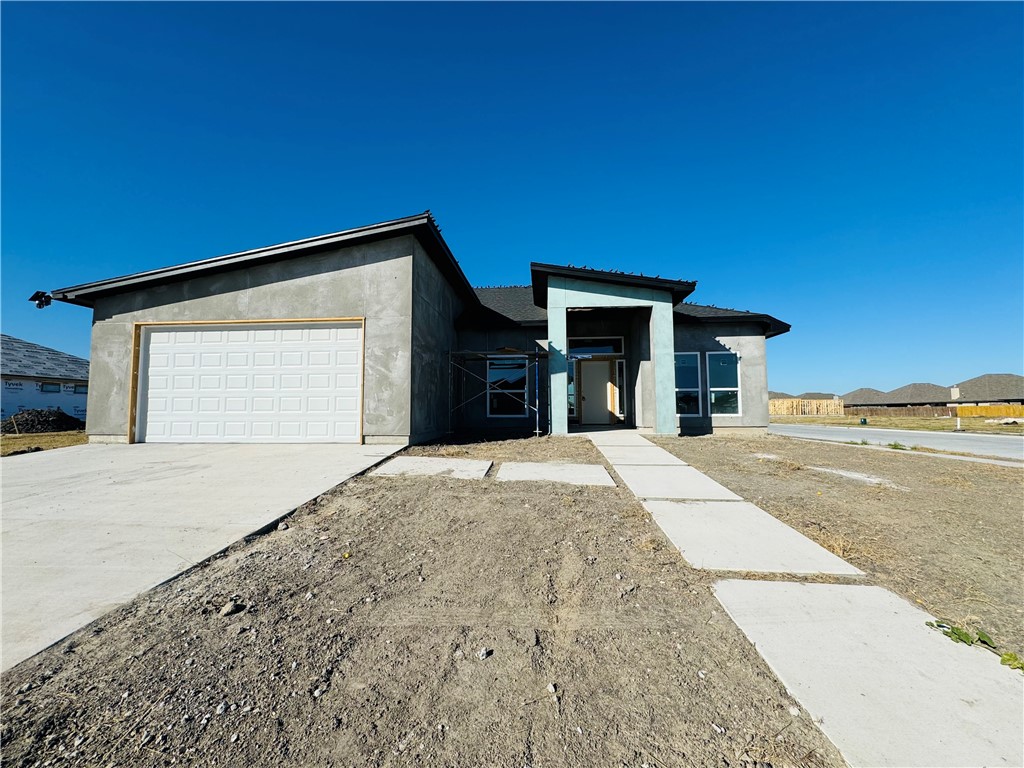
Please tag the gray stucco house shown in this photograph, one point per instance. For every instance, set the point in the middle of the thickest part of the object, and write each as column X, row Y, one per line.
column 374, row 334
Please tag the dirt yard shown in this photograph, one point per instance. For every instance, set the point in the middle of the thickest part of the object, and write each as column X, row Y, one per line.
column 422, row 621
column 12, row 445
column 945, row 534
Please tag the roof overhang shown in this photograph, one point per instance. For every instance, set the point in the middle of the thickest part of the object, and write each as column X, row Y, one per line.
column 539, row 274
column 422, row 226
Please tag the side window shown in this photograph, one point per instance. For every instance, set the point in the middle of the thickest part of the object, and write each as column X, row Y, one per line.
column 688, row 384
column 724, row 383
column 81, row 389
column 506, row 386
column 48, row 387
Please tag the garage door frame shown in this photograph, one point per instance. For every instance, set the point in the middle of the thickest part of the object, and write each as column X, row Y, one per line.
column 139, row 327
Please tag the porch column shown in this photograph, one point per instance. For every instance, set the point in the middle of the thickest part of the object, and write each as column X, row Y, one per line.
column 558, row 363
column 663, row 350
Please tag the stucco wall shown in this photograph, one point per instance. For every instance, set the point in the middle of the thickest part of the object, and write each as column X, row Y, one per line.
column 435, row 306
column 373, row 281
column 747, row 341
column 473, row 415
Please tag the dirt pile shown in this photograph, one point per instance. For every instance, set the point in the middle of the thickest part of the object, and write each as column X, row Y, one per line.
column 40, row 420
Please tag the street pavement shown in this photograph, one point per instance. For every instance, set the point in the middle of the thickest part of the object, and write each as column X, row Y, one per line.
column 1003, row 446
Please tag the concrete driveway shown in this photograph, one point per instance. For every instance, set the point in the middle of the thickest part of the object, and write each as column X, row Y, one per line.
column 88, row 528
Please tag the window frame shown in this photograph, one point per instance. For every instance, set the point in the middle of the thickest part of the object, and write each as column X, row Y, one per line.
column 738, row 389
column 81, row 389
column 699, row 390
column 49, row 387
column 525, row 391
column 620, row 388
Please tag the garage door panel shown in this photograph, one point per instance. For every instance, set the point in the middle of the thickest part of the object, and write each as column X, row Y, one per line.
column 228, row 384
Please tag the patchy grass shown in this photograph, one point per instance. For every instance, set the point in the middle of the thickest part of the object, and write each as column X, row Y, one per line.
column 928, row 424
column 15, row 444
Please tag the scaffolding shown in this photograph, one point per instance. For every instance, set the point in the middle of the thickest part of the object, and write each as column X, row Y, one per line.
column 458, row 371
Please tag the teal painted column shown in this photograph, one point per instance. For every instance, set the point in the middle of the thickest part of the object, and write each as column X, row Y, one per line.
column 558, row 363
column 663, row 350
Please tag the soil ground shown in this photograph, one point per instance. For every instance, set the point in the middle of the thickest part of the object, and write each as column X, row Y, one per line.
column 944, row 534
column 932, row 424
column 358, row 634
column 15, row 444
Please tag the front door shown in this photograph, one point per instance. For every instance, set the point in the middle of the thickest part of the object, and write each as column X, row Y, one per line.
column 595, row 390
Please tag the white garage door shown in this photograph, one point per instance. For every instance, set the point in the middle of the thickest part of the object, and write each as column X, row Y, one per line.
column 259, row 383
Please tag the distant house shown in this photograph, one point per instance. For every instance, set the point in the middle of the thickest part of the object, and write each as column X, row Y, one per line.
column 917, row 394
column 779, row 396
column 35, row 376
column 817, row 396
column 989, row 389
column 864, row 396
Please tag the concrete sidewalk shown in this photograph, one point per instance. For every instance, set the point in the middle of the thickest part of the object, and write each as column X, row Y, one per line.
column 88, row 528
column 887, row 690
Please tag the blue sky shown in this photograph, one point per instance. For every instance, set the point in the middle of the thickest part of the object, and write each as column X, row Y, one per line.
column 854, row 169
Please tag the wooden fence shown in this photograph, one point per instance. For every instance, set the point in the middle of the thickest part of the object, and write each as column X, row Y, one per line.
column 1005, row 410
column 805, row 407
column 921, row 411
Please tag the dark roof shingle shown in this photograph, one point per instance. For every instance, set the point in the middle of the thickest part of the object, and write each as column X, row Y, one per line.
column 23, row 358
column 515, row 303
column 991, row 387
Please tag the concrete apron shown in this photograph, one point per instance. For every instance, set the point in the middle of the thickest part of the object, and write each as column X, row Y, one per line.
column 86, row 529
column 886, row 689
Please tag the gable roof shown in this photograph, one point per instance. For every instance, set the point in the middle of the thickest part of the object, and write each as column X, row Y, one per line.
column 864, row 396
column 779, row 396
column 539, row 274
column 23, row 358
column 422, row 226
column 917, row 394
column 515, row 305
column 992, row 386
column 816, row 396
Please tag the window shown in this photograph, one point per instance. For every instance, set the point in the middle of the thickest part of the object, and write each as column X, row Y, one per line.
column 506, row 386
column 611, row 345
column 724, row 383
column 688, row 384
column 620, row 389
column 571, row 386
column 81, row 389
column 48, row 387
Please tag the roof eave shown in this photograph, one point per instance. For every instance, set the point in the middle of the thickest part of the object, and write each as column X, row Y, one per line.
column 539, row 273
column 421, row 226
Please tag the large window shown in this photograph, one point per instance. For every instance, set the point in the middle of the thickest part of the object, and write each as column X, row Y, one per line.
column 724, row 383
column 506, row 386
column 688, row 384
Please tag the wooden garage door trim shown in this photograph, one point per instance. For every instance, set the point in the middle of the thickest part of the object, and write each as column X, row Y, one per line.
column 137, row 329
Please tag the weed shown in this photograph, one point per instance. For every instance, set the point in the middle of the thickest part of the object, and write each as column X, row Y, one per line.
column 897, row 446
column 1012, row 660
column 961, row 635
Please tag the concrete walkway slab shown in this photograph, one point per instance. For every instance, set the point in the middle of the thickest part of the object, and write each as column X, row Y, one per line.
column 555, row 472
column 886, row 689
column 461, row 469
column 672, row 482
column 738, row 536
column 85, row 529
column 649, row 455
column 615, row 437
